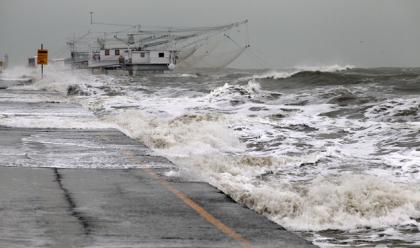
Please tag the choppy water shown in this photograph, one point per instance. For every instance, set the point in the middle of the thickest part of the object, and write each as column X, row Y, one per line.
column 331, row 153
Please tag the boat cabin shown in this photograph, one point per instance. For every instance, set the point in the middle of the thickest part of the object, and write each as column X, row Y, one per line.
column 123, row 57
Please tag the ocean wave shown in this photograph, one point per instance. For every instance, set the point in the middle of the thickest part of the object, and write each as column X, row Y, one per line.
column 203, row 146
column 61, row 79
column 253, row 88
column 325, row 68
column 298, row 69
column 274, row 75
column 183, row 135
column 396, row 110
column 346, row 202
column 239, row 94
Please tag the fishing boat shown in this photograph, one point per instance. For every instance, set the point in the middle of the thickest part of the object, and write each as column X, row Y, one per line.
column 139, row 48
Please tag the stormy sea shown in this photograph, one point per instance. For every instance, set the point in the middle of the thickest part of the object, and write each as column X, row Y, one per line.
column 329, row 152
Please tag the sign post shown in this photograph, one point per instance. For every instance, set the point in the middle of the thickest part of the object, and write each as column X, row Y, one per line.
column 42, row 58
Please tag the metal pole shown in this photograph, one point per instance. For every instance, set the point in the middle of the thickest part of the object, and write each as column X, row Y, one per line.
column 91, row 18
column 42, row 66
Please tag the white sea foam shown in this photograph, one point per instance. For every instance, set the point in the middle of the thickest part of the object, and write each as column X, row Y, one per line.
column 189, row 75
column 324, row 68
column 228, row 92
column 275, row 74
column 53, row 122
column 199, row 144
column 346, row 202
column 350, row 201
column 184, row 135
column 19, row 72
column 288, row 73
column 58, row 78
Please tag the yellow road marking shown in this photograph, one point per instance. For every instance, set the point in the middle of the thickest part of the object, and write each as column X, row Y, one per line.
column 195, row 206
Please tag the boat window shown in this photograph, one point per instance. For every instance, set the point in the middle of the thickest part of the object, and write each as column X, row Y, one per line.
column 117, row 52
column 142, row 54
column 161, row 55
column 106, row 52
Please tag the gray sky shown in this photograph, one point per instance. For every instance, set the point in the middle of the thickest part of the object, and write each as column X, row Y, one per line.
column 286, row 33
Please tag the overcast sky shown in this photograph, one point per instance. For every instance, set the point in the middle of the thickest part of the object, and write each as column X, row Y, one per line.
column 286, row 33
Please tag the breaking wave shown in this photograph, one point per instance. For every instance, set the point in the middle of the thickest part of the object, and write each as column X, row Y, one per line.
column 184, row 135
column 204, row 147
column 325, row 68
column 342, row 203
column 300, row 69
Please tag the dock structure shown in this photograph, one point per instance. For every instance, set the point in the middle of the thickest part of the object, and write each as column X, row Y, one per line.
column 69, row 187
